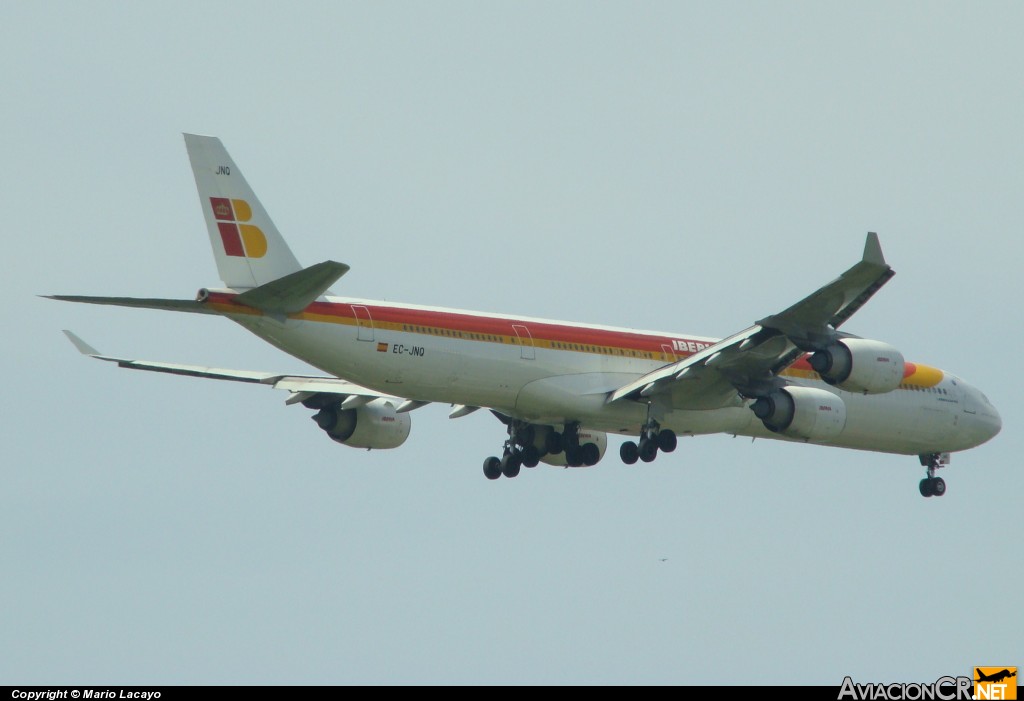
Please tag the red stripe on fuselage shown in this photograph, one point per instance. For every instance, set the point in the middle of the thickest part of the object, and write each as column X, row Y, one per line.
column 483, row 325
column 469, row 323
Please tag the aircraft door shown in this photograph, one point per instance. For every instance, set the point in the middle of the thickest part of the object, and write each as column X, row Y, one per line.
column 364, row 322
column 527, row 350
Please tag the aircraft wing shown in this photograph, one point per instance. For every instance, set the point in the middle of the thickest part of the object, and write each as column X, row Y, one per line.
column 747, row 363
column 302, row 387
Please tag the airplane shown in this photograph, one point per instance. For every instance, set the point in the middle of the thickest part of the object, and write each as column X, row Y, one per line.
column 561, row 387
column 996, row 677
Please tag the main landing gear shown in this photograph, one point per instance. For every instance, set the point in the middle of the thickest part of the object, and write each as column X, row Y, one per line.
column 932, row 486
column 519, row 452
column 576, row 455
column 652, row 439
column 525, row 448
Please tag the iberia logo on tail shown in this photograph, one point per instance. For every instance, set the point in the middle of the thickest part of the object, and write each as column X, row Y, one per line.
column 243, row 240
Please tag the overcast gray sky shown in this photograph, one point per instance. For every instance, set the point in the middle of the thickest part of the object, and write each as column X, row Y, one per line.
column 679, row 166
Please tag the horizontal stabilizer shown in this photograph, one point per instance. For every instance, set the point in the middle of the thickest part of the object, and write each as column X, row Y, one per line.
column 293, row 293
column 172, row 305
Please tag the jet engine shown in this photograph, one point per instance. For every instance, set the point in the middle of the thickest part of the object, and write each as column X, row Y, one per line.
column 802, row 412
column 860, row 365
column 374, row 425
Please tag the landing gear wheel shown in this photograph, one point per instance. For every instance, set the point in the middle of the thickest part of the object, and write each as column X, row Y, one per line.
column 590, row 454
column 510, row 465
column 553, row 443
column 925, row 487
column 629, row 453
column 492, row 468
column 531, row 456
column 573, row 457
column 932, row 486
column 667, row 441
column 648, row 450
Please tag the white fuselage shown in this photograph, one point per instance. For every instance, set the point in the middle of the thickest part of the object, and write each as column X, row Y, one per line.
column 554, row 372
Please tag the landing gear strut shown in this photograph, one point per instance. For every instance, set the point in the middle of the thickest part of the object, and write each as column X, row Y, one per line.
column 932, row 486
column 521, row 448
column 571, row 445
column 519, row 451
column 652, row 439
column 577, row 455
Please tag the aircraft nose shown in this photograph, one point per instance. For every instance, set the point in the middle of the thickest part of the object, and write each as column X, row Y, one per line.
column 981, row 421
column 986, row 424
column 993, row 422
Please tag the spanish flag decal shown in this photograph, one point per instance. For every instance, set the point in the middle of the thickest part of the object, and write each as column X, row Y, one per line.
column 382, row 348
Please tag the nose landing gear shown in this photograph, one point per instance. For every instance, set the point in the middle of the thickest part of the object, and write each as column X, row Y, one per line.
column 932, row 486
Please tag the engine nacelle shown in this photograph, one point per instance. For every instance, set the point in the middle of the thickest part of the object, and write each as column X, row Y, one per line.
column 598, row 438
column 860, row 365
column 802, row 412
column 374, row 425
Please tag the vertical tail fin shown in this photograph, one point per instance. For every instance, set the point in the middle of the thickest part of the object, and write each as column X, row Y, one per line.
column 246, row 245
